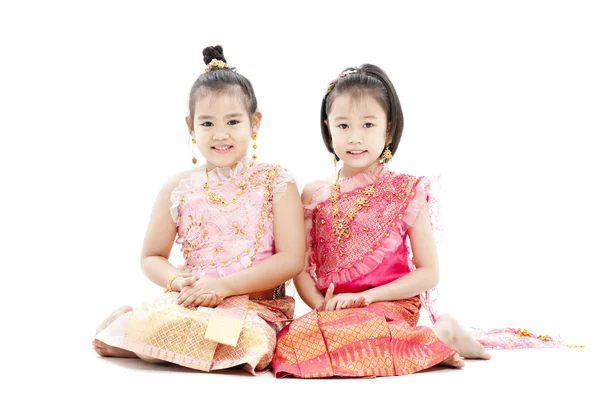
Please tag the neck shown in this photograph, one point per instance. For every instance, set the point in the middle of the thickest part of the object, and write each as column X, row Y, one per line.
column 348, row 172
column 210, row 167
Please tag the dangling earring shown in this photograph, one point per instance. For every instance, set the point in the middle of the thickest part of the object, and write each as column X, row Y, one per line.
column 193, row 145
column 254, row 146
column 387, row 154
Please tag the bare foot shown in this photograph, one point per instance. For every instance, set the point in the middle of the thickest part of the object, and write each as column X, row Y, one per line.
column 109, row 351
column 112, row 317
column 453, row 361
column 449, row 330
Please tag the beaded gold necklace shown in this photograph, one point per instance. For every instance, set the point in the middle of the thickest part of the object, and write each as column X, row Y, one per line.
column 268, row 182
column 216, row 198
column 341, row 222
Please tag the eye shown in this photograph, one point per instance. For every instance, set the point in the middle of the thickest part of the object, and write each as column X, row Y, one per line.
column 368, row 125
column 207, row 124
column 233, row 122
column 343, row 126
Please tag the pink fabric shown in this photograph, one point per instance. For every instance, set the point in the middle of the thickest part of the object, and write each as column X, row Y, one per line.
column 511, row 338
column 390, row 269
column 398, row 199
column 219, row 240
column 394, row 208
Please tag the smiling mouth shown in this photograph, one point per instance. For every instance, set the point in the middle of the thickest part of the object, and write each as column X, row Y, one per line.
column 222, row 148
column 356, row 152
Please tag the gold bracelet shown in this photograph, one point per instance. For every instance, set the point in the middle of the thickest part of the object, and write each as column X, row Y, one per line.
column 171, row 279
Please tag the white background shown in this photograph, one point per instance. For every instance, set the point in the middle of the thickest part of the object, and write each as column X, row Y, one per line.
column 501, row 99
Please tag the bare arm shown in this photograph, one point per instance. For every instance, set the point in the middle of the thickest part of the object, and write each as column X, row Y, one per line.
column 159, row 238
column 289, row 246
column 307, row 290
column 304, row 283
column 424, row 277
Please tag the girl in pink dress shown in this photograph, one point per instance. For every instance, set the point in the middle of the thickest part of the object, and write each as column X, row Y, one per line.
column 227, row 216
column 372, row 257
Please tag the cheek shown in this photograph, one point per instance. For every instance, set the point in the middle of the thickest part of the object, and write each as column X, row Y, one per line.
column 243, row 137
column 338, row 142
column 338, row 137
column 378, row 140
column 202, row 137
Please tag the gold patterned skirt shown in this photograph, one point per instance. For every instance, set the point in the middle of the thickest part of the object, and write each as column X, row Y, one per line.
column 381, row 339
column 233, row 334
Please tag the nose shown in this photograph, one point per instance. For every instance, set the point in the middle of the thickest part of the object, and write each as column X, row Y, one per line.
column 220, row 135
column 354, row 139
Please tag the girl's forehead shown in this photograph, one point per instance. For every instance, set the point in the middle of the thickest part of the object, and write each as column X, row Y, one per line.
column 353, row 103
column 220, row 102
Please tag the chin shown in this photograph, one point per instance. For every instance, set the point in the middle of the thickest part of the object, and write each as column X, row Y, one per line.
column 221, row 162
column 358, row 164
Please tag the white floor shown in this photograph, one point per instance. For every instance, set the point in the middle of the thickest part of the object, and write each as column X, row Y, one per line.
column 510, row 374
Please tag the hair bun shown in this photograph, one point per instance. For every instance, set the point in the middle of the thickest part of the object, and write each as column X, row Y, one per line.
column 213, row 52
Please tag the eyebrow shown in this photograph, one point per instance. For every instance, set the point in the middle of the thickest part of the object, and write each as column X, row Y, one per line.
column 365, row 117
column 234, row 115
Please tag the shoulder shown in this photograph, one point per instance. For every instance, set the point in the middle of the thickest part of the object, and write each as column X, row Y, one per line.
column 180, row 178
column 269, row 169
column 312, row 187
column 404, row 181
column 280, row 175
column 178, row 184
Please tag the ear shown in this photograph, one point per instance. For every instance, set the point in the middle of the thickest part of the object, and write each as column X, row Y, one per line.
column 389, row 137
column 326, row 123
column 189, row 124
column 256, row 118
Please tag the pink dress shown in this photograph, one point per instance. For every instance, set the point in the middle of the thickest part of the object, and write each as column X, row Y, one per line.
column 224, row 225
column 359, row 240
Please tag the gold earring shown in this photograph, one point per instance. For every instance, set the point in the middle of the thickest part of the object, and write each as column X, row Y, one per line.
column 254, row 146
column 193, row 145
column 387, row 154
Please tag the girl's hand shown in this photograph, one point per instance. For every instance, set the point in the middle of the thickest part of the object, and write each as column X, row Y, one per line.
column 182, row 281
column 192, row 296
column 205, row 292
column 346, row 300
column 328, row 297
column 208, row 300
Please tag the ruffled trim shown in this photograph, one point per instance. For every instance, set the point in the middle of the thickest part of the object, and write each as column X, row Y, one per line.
column 197, row 178
column 346, row 185
column 177, row 196
column 390, row 244
column 281, row 183
column 422, row 191
column 370, row 262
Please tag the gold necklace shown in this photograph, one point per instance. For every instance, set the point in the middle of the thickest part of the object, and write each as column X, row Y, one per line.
column 272, row 172
column 341, row 223
column 216, row 198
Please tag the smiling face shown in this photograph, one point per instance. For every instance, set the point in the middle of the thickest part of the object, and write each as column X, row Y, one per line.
column 359, row 131
column 222, row 127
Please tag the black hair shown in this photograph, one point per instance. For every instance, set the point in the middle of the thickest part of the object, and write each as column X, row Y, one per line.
column 372, row 80
column 221, row 78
